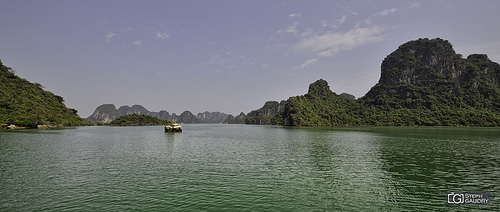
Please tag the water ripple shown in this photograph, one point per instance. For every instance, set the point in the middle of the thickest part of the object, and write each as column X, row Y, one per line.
column 245, row 168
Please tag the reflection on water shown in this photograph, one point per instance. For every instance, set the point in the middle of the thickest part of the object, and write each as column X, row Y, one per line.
column 172, row 141
column 349, row 163
column 241, row 167
column 428, row 163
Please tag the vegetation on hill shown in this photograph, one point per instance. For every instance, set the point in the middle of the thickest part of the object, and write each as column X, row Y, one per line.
column 423, row 83
column 26, row 104
column 239, row 119
column 211, row 117
column 108, row 112
column 138, row 120
column 320, row 107
column 264, row 115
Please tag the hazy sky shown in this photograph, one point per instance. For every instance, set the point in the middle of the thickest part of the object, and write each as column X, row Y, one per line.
column 229, row 56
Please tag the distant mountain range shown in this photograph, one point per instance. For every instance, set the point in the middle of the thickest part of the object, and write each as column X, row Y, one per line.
column 422, row 83
column 108, row 112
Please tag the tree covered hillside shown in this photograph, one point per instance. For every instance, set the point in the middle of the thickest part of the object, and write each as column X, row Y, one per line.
column 320, row 107
column 422, row 83
column 23, row 103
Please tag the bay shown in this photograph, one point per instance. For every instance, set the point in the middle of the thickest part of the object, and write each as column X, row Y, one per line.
column 211, row 167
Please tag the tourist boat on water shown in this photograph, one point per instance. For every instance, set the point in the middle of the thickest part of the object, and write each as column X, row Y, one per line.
column 174, row 127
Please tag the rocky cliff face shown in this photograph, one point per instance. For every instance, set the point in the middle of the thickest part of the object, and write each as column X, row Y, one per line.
column 428, row 74
column 420, row 62
column 108, row 112
column 423, row 82
column 239, row 119
column 319, row 88
column 349, row 96
column 135, row 109
column 211, row 117
column 265, row 114
column 104, row 113
column 188, row 117
column 164, row 115
column 319, row 107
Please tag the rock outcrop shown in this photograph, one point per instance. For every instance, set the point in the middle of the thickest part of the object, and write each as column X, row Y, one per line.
column 108, row 112
column 104, row 113
column 137, row 109
column 211, row 117
column 239, row 119
column 266, row 114
column 187, row 117
column 349, row 96
column 422, row 83
column 320, row 107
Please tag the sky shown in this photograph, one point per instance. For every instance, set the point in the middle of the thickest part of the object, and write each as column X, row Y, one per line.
column 229, row 56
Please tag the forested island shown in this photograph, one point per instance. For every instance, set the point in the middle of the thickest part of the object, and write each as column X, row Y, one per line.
column 423, row 83
column 26, row 104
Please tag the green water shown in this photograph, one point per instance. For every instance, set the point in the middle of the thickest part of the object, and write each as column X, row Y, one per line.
column 246, row 168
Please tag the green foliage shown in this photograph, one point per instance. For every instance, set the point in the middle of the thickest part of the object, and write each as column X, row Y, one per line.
column 239, row 119
column 321, row 107
column 423, row 83
column 26, row 104
column 138, row 120
column 264, row 115
column 188, row 117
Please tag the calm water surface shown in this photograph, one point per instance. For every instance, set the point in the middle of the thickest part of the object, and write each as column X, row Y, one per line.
column 246, row 168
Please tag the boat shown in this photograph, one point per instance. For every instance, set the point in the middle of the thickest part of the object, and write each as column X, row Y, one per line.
column 174, row 127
